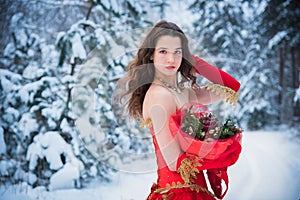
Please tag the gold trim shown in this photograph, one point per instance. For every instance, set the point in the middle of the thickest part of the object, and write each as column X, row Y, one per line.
column 230, row 95
column 188, row 169
column 166, row 196
column 178, row 185
column 147, row 123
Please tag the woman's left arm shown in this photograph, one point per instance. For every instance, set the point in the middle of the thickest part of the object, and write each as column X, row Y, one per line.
column 223, row 85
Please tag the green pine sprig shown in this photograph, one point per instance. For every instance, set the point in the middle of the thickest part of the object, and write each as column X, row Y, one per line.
column 207, row 126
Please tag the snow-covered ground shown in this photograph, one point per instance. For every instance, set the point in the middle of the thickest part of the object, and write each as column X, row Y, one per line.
column 268, row 169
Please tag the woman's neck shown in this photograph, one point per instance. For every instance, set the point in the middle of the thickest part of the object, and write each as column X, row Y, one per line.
column 170, row 80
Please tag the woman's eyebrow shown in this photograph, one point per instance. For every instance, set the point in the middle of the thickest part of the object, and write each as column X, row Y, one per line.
column 179, row 48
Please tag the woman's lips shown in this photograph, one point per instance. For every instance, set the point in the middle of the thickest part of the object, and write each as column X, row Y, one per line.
column 171, row 67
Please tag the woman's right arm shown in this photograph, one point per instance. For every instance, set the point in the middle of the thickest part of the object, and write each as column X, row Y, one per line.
column 161, row 106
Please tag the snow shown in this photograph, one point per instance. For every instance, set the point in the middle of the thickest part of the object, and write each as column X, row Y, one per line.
column 105, row 3
column 59, row 36
column 172, row 15
column 9, row 50
column 2, row 142
column 276, row 39
column 78, row 50
column 33, row 71
column 218, row 35
column 267, row 169
column 65, row 178
column 9, row 80
column 27, row 124
column 51, row 145
column 297, row 95
column 115, row 6
column 6, row 84
column 11, row 115
column 28, row 91
column 15, row 19
column 32, row 178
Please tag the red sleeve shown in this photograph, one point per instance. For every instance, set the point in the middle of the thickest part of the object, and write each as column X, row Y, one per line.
column 215, row 74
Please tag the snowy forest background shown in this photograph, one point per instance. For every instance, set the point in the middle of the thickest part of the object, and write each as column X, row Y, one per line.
column 60, row 60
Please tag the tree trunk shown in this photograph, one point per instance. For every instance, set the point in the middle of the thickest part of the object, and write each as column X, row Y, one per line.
column 281, row 74
column 280, row 92
column 296, row 70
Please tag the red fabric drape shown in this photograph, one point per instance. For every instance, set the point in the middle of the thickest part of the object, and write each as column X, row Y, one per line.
column 215, row 154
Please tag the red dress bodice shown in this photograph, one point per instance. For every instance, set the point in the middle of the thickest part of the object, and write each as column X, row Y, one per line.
column 188, row 182
column 170, row 184
column 165, row 175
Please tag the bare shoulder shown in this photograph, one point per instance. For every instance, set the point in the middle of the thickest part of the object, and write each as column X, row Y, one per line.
column 158, row 96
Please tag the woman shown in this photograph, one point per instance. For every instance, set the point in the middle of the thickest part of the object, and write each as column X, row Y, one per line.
column 155, row 93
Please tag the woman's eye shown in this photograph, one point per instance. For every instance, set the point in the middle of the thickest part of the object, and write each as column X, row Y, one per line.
column 178, row 52
column 163, row 51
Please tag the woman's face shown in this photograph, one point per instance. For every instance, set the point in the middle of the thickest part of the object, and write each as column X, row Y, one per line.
column 167, row 55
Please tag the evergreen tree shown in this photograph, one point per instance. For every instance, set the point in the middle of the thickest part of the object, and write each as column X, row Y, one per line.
column 279, row 29
column 38, row 120
column 244, row 31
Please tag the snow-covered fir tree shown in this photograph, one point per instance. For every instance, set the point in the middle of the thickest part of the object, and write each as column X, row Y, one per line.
column 59, row 126
column 43, row 140
column 237, row 37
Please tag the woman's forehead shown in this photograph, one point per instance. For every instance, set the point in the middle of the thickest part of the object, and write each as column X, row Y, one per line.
column 168, row 42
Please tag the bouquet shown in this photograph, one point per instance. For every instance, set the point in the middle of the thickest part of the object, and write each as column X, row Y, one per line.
column 199, row 132
column 205, row 125
column 205, row 140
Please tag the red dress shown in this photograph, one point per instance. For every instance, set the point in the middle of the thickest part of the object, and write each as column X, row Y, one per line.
column 188, row 182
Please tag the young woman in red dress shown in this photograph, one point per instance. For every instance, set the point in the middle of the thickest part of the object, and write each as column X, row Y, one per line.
column 160, row 80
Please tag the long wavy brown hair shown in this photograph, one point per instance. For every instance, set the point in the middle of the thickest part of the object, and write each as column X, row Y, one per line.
column 140, row 71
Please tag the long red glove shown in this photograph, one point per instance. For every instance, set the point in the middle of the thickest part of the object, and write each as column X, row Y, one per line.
column 215, row 74
column 215, row 177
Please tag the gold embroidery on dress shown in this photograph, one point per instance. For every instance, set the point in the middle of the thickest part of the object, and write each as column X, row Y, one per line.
column 198, row 188
column 230, row 95
column 147, row 123
column 166, row 196
column 188, row 169
column 178, row 185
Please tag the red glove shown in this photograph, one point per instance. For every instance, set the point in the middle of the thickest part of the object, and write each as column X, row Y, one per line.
column 215, row 74
column 215, row 177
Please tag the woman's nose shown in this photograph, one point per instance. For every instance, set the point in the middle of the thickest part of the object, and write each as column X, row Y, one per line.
column 170, row 57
